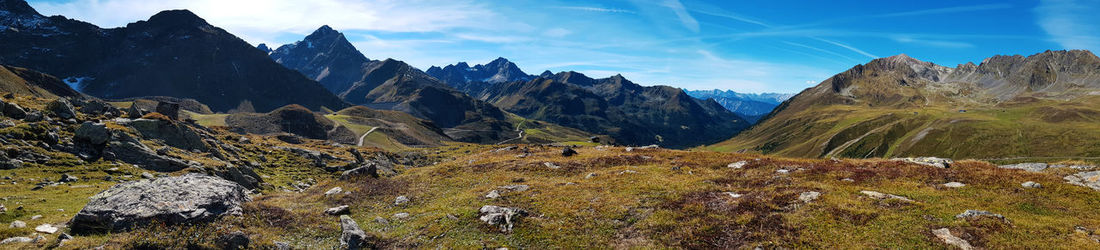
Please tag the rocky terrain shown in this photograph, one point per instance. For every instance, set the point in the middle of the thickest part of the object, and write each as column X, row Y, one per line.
column 1043, row 105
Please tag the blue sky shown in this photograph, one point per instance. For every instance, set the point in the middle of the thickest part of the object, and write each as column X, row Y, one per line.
column 746, row 46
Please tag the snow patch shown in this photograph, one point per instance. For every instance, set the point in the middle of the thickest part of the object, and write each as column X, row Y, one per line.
column 77, row 83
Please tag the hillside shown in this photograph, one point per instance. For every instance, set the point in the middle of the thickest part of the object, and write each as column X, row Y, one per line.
column 174, row 53
column 22, row 81
column 752, row 107
column 1043, row 105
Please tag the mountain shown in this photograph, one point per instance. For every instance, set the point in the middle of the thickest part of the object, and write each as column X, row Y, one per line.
column 174, row 53
column 390, row 84
column 1043, row 105
column 461, row 76
column 751, row 106
column 27, row 82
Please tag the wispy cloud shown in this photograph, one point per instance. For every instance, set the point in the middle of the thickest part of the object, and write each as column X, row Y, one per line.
column 849, row 47
column 932, row 43
column 1070, row 23
column 597, row 9
column 948, row 10
column 682, row 13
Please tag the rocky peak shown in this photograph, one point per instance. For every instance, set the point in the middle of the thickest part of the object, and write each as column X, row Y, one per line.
column 546, row 74
column 17, row 7
column 324, row 33
column 176, row 18
column 263, row 47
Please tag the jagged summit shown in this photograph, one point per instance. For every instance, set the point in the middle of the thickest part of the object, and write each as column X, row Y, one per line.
column 322, row 32
column 175, row 18
column 19, row 7
column 325, row 56
column 497, row 71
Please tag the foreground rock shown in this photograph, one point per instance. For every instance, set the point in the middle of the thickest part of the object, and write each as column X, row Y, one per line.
column 1030, row 167
column 171, row 200
column 1085, row 179
column 945, row 235
column 503, row 217
column 882, row 196
column 928, row 161
column 353, row 237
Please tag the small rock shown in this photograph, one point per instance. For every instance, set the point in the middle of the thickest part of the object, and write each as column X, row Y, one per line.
column 92, row 133
column 17, row 224
column 628, row 172
column 36, row 217
column 281, row 245
column 969, row 214
column 1030, row 167
column 46, row 228
column 847, row 180
column 400, row 216
column 882, row 196
column 516, row 188
column 782, row 171
column 551, row 165
column 401, row 200
column 62, row 108
column 68, row 178
column 147, row 175
column 809, row 196
column 493, row 194
column 381, row 220
column 169, row 109
column 234, row 240
column 503, row 217
column 737, row 165
column 1031, row 184
column 945, row 235
column 590, row 175
column 340, row 210
column 733, row 195
column 928, row 161
column 334, row 191
column 568, row 151
column 16, row 240
column 954, row 184
column 352, row 237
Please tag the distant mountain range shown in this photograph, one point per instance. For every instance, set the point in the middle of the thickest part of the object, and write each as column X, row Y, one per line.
column 751, row 106
column 630, row 113
column 174, row 53
column 1043, row 105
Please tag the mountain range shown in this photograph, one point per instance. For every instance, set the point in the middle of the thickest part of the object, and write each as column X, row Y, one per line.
column 751, row 106
column 1043, row 105
column 174, row 53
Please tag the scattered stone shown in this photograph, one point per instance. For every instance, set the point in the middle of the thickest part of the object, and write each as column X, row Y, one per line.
column 281, row 245
column 628, row 171
column 928, row 161
column 62, row 108
column 92, row 133
column 1030, row 167
column 334, row 191
column 809, row 196
column 503, row 217
column 1031, row 184
column 1085, row 179
column 508, row 148
column 493, row 194
column 782, row 171
column 551, row 165
column 733, row 195
column 46, row 228
column 400, row 216
column 945, row 235
column 654, row 146
column 13, row 240
column 970, row 214
column 171, row 200
column 381, row 220
column 590, row 175
column 169, row 109
column 352, row 236
column 147, row 175
column 401, row 200
column 36, row 217
column 568, row 151
column 737, row 165
column 516, row 188
column 368, row 169
column 14, row 111
column 954, row 184
column 234, row 240
column 68, row 178
column 134, row 112
column 340, row 210
column 17, row 224
column 882, row 196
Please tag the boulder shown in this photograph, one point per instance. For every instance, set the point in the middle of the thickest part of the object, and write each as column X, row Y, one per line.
column 61, row 108
column 809, row 196
column 352, row 236
column 46, row 228
column 130, row 150
column 98, row 107
column 92, row 133
column 369, row 169
column 737, row 165
column 169, row 109
column 954, row 184
column 945, row 235
column 568, row 151
column 234, row 240
column 172, row 133
column 334, row 191
column 135, row 112
column 14, row 240
column 68, row 178
column 1031, row 184
column 1030, row 167
column 1085, row 179
column 17, row 224
column 401, row 200
column 340, row 210
column 171, row 200
column 243, row 175
column 14, row 111
column 503, row 217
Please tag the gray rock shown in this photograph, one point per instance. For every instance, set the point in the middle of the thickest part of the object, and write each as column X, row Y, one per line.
column 14, row 111
column 970, row 214
column 134, row 112
column 1030, row 167
column 172, row 133
column 282, row 245
column 503, row 217
column 68, row 178
column 61, row 108
column 131, row 150
column 17, row 224
column 14, row 240
column 401, row 200
column 234, row 240
column 516, row 187
column 882, row 196
column 340, row 210
column 46, row 228
column 6, row 164
column 945, row 235
column 369, row 169
column 1031, row 184
column 92, row 133
column 147, row 175
column 171, row 200
column 1085, row 179
column 400, row 216
column 334, row 191
column 7, row 124
column 34, row 116
column 493, row 194
column 169, row 109
column 551, row 165
column 243, row 175
column 954, row 184
column 809, row 196
column 590, row 175
column 568, row 151
column 36, row 217
column 737, row 165
column 928, row 161
column 352, row 236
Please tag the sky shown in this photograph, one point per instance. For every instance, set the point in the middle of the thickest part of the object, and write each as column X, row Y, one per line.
column 747, row 46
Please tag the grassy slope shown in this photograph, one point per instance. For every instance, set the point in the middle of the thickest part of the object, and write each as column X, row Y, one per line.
column 1034, row 129
column 674, row 198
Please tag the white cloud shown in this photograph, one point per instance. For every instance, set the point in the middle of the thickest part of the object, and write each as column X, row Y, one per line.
column 1070, row 23
column 597, row 9
column 686, row 19
column 933, row 43
column 849, row 47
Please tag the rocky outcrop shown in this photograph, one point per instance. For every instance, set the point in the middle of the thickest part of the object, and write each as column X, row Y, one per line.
column 928, row 161
column 1085, row 179
column 502, row 217
column 62, row 108
column 172, row 200
column 352, row 236
column 170, row 133
column 130, row 150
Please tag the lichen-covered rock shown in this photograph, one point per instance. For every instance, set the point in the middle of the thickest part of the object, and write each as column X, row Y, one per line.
column 352, row 236
column 503, row 217
column 62, row 108
column 1085, row 179
column 945, row 235
column 928, row 161
column 171, row 200
column 1030, row 167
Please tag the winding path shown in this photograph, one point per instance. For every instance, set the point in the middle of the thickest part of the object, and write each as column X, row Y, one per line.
column 365, row 136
